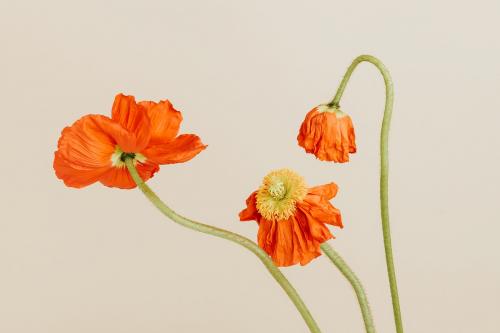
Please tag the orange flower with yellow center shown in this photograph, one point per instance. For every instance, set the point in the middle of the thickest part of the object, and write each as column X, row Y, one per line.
column 328, row 133
column 94, row 148
column 292, row 217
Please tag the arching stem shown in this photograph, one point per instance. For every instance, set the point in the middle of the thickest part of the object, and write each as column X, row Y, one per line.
column 245, row 242
column 355, row 283
column 384, row 172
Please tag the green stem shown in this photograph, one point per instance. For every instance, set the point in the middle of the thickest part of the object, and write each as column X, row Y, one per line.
column 355, row 283
column 245, row 242
column 384, row 171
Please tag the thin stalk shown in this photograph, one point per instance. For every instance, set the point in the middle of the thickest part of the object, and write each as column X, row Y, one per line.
column 384, row 172
column 243, row 241
column 355, row 283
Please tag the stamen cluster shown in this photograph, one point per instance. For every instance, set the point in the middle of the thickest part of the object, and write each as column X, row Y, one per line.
column 280, row 191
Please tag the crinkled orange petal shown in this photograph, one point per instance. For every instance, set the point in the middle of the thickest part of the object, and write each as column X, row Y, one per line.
column 250, row 213
column 75, row 175
column 305, row 129
column 165, row 120
column 327, row 136
column 319, row 206
column 181, row 149
column 85, row 149
column 315, row 233
column 316, row 228
column 309, row 133
column 329, row 191
column 292, row 241
column 324, row 211
column 266, row 237
column 120, row 177
column 285, row 253
column 132, row 117
column 348, row 133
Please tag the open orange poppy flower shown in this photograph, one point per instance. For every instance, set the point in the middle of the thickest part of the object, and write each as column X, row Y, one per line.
column 328, row 133
column 95, row 146
column 291, row 217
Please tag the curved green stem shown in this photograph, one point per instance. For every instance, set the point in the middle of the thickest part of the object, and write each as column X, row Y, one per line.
column 245, row 242
column 384, row 171
column 355, row 283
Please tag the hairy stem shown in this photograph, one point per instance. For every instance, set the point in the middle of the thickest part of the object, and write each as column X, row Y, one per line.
column 384, row 172
column 355, row 283
column 245, row 242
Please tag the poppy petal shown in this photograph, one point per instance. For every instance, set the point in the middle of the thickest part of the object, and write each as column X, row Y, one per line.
column 250, row 213
column 181, row 149
column 291, row 241
column 165, row 120
column 328, row 134
column 75, row 175
column 313, row 233
column 315, row 227
column 329, row 191
column 85, row 149
column 311, row 131
column 284, row 252
column 120, row 176
column 134, row 119
column 321, row 209
column 266, row 237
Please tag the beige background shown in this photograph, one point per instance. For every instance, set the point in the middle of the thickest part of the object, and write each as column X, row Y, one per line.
column 244, row 73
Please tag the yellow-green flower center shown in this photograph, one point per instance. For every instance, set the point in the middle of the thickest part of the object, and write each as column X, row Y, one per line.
column 279, row 193
column 118, row 157
column 277, row 190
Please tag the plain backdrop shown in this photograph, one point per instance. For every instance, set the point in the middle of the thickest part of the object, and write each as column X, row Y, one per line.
column 244, row 73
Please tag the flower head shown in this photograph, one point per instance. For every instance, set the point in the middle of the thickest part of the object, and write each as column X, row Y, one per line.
column 291, row 217
column 94, row 148
column 327, row 132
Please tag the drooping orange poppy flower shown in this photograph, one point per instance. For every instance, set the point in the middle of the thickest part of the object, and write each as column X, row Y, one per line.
column 95, row 146
column 327, row 133
column 291, row 217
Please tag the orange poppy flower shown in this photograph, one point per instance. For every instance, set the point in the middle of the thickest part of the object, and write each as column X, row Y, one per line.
column 95, row 146
column 291, row 217
column 327, row 133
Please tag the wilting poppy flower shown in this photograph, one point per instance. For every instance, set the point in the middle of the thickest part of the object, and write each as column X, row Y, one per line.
column 291, row 217
column 94, row 148
column 327, row 133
